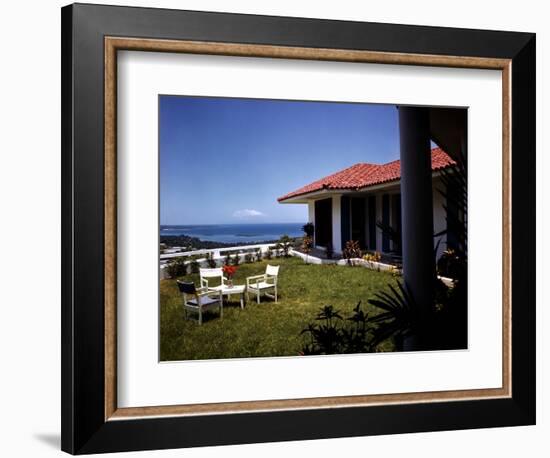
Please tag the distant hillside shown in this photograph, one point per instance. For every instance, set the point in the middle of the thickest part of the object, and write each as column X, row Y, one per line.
column 194, row 243
column 191, row 243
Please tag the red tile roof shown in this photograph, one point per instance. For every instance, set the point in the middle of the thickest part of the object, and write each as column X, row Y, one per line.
column 362, row 175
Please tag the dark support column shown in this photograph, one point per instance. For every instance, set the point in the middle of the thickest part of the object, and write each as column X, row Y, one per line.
column 372, row 222
column 385, row 222
column 345, row 219
column 417, row 203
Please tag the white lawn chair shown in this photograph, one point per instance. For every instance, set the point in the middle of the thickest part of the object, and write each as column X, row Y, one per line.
column 199, row 300
column 263, row 283
column 206, row 274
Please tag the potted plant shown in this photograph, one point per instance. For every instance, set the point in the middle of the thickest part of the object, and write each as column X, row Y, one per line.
column 229, row 271
column 307, row 243
column 308, row 229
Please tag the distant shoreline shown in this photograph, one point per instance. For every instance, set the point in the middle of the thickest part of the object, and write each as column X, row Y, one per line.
column 233, row 224
column 226, row 235
column 194, row 243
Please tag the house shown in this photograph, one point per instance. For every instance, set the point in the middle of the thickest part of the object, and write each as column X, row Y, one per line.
column 352, row 203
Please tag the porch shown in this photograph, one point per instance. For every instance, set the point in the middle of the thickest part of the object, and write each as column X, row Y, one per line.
column 371, row 217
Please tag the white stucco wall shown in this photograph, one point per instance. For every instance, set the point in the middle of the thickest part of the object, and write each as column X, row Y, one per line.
column 311, row 216
column 440, row 221
column 311, row 211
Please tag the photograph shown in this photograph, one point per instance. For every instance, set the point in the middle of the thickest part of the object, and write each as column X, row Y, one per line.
column 280, row 226
column 292, row 228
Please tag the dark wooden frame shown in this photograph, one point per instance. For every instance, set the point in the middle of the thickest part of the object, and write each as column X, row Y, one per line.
column 89, row 423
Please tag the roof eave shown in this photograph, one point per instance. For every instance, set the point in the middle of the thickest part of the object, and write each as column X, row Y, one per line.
column 306, row 197
column 320, row 193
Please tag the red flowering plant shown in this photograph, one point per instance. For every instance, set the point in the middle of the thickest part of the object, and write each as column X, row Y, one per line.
column 229, row 271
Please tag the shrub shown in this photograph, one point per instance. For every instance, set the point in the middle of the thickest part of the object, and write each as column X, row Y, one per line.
column 269, row 253
column 258, row 254
column 307, row 243
column 194, row 266
column 337, row 335
column 248, row 258
column 236, row 259
column 352, row 251
column 210, row 261
column 285, row 243
column 227, row 259
column 449, row 264
column 440, row 325
column 372, row 257
column 176, row 268
column 309, row 229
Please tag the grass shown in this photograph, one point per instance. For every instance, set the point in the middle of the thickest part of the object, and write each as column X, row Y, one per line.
column 269, row 328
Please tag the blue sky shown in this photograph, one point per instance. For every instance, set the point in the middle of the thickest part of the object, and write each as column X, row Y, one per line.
column 226, row 161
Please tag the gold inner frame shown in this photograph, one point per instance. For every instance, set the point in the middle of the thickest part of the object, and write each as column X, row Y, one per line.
column 114, row 44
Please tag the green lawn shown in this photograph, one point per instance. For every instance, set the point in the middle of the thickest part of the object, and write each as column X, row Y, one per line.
column 268, row 328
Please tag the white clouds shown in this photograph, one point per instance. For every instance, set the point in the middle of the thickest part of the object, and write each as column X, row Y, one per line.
column 247, row 213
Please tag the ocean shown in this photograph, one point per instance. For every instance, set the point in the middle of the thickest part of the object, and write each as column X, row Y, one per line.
column 235, row 233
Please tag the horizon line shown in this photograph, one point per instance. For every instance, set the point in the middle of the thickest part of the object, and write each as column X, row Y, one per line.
column 232, row 224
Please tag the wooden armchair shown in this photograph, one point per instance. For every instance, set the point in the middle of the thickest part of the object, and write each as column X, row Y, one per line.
column 263, row 283
column 199, row 300
column 211, row 274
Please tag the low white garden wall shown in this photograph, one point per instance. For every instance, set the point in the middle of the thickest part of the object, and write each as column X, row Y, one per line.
column 219, row 258
column 343, row 262
column 219, row 255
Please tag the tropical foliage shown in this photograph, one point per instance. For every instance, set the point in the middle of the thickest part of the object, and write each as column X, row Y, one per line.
column 194, row 266
column 210, row 261
column 331, row 333
column 443, row 323
column 176, row 268
column 307, row 245
column 352, row 251
column 284, row 245
column 309, row 229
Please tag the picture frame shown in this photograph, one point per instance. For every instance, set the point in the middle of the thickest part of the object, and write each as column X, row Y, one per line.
column 91, row 37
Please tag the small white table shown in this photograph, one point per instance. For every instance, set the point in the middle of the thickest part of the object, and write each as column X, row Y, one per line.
column 235, row 289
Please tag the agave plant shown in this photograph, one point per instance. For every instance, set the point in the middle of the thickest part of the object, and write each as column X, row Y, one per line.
column 325, row 337
column 357, row 337
column 334, row 336
column 401, row 316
